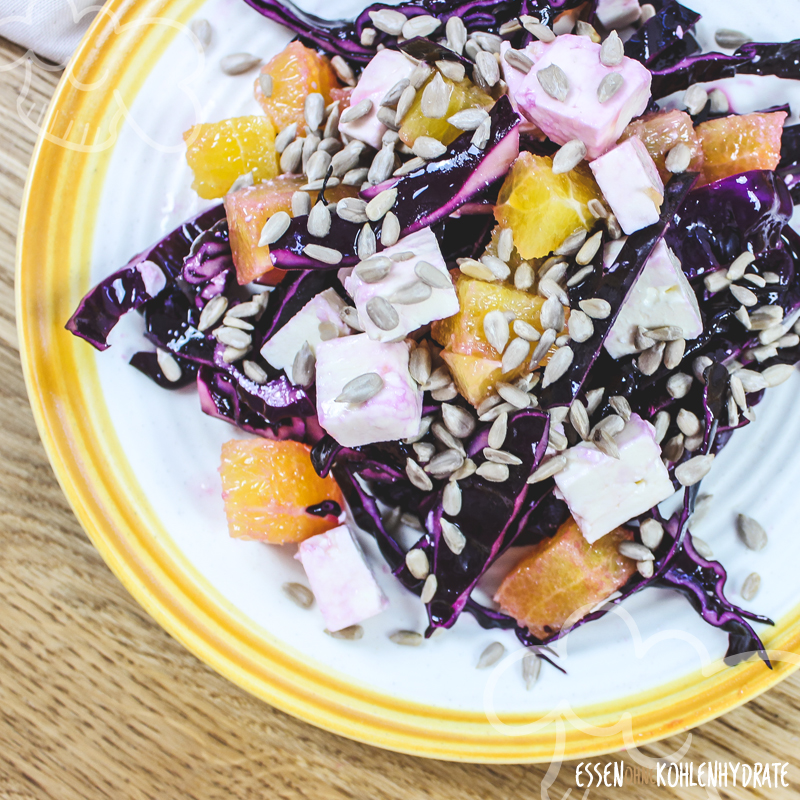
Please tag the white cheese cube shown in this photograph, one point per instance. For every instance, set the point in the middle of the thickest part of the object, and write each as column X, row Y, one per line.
column 381, row 74
column 393, row 413
column 662, row 295
column 441, row 303
column 603, row 492
column 341, row 580
column 580, row 115
column 631, row 185
column 304, row 326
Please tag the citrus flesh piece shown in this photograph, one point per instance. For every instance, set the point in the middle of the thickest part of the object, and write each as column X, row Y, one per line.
column 220, row 152
column 296, row 72
column 736, row 144
column 248, row 210
column 543, row 208
column 663, row 130
column 267, row 486
column 564, row 578
column 463, row 94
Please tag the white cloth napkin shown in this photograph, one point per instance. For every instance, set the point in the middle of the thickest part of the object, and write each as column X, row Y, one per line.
column 51, row 28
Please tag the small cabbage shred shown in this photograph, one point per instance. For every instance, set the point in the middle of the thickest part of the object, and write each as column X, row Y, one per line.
column 517, row 368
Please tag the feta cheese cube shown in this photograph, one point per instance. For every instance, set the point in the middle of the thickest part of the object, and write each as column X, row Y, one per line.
column 442, row 302
column 394, row 413
column 343, row 584
column 631, row 185
column 662, row 295
column 581, row 115
column 304, row 326
column 614, row 14
column 603, row 492
column 381, row 74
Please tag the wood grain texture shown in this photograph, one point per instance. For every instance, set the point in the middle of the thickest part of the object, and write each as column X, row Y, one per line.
column 96, row 701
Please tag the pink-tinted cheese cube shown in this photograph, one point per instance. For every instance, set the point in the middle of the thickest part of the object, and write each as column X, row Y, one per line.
column 343, row 584
column 381, row 74
column 631, row 185
column 581, row 115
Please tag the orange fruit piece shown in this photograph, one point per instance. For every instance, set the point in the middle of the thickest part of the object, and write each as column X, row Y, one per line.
column 562, row 577
column 267, row 486
column 296, row 72
column 660, row 132
column 543, row 208
column 463, row 94
column 219, row 152
column 737, row 144
column 249, row 208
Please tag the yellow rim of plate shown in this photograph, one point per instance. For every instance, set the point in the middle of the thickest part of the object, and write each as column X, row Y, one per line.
column 55, row 242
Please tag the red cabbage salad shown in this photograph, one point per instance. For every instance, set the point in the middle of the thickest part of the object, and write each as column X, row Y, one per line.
column 465, row 277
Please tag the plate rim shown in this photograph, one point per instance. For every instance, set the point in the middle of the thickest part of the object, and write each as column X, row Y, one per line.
column 170, row 592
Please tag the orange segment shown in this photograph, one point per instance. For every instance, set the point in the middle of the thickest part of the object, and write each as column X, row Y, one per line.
column 563, row 575
column 660, row 132
column 296, row 72
column 462, row 95
column 219, row 152
column 268, row 485
column 733, row 145
column 474, row 376
column 248, row 210
column 542, row 208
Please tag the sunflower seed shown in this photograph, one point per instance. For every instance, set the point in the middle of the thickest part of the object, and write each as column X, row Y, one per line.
column 650, row 360
column 201, row 28
column 543, row 347
column 404, row 103
column 423, row 25
column 377, row 207
column 212, row 312
column 651, row 532
column 523, row 276
column 428, row 148
column 314, row 110
column 237, row 63
column 518, row 60
column 702, row 548
column 300, row 595
column 468, row 119
column 418, row 564
column 737, row 392
column 233, row 354
column 481, row 136
column 777, row 374
column 356, row 112
column 382, row 313
column 491, row 655
column 242, row 182
column 612, row 50
column 595, row 308
column 605, row 443
column 772, row 277
column 429, row 589
column 451, row 504
column 694, row 470
column 688, row 423
column 554, row 81
column 351, row 633
column 526, row 331
column 751, row 533
column 695, row 99
column 515, row 355
column 756, row 280
column 731, row 39
column 232, row 321
column 679, row 384
column 304, row 365
column 317, row 165
column 254, row 372
column 569, row 156
column 751, row 381
column 435, row 100
column 489, row 68
column 634, row 550
column 328, row 331
column 739, row 265
column 285, row 137
column 699, row 367
column 541, row 32
column 432, row 276
column 447, row 438
column 440, row 378
column 579, row 419
column 453, row 538
column 531, row 667
column 751, row 585
column 326, row 255
column 368, row 37
column 549, row 468
column 390, row 229
column 495, row 328
column 589, row 249
column 609, row 86
column 407, row 638
column 458, row 421
column 319, row 221
column 790, row 340
column 580, row 326
column 501, row 456
column 456, row 34
column 388, row 20
column 361, row 389
column 425, row 451
column 446, row 394
column 420, row 75
column 661, row 423
column 498, row 431
column 612, row 425
column 673, row 353
column 342, row 69
column 453, row 70
column 233, row 337
column 392, row 97
column 419, row 365
column 511, row 394
column 418, row 477
column 717, row 281
column 678, row 158
column 168, row 365
column 291, row 156
column 465, row 471
column 366, row 243
column 719, row 102
column 557, row 366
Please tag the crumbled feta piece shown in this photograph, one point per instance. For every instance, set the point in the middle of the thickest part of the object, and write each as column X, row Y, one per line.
column 581, row 116
column 604, row 492
column 614, row 14
column 631, row 185
column 381, row 74
column 342, row 582
column 394, row 413
column 442, row 302
column 304, row 326
column 153, row 277
column 662, row 295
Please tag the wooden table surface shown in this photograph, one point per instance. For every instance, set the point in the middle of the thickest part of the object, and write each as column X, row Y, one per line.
column 96, row 701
